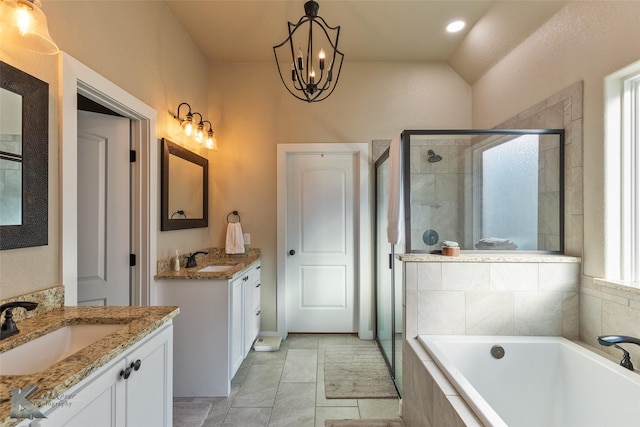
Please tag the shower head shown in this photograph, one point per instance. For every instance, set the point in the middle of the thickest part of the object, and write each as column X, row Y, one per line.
column 433, row 157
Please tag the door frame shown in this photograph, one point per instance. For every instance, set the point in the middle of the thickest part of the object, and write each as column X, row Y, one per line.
column 76, row 78
column 363, row 280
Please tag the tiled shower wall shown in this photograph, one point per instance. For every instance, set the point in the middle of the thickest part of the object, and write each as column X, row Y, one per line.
column 439, row 192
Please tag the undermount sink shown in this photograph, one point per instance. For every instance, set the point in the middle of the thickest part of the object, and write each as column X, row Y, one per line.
column 47, row 350
column 215, row 268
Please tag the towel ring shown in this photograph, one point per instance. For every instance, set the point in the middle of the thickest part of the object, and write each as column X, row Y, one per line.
column 233, row 213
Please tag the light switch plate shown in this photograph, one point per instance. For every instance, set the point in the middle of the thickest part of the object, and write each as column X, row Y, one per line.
column 247, row 238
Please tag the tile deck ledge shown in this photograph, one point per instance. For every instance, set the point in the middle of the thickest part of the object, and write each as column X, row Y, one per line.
column 492, row 257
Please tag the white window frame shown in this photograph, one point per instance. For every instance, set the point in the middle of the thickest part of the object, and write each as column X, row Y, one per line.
column 622, row 175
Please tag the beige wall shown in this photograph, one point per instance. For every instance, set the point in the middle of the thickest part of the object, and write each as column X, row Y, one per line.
column 141, row 48
column 254, row 113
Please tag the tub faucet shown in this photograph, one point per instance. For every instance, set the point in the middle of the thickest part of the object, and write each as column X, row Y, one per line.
column 9, row 327
column 614, row 340
column 191, row 259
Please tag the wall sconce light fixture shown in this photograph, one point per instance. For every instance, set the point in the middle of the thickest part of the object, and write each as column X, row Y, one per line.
column 23, row 23
column 310, row 74
column 195, row 128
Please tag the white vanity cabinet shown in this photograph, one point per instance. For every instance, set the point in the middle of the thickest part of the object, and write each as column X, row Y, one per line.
column 106, row 398
column 215, row 330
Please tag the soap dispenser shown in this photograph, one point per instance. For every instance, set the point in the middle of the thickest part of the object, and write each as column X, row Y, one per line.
column 175, row 262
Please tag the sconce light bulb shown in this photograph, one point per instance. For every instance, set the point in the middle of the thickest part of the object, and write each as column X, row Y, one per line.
column 23, row 18
column 212, row 144
column 187, row 125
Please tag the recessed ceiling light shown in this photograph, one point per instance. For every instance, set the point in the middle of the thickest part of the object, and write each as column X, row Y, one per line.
column 455, row 26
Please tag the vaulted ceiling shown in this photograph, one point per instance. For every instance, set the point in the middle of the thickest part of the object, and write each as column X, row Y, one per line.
column 376, row 30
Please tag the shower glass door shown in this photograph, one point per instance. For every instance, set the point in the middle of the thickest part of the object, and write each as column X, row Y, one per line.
column 388, row 295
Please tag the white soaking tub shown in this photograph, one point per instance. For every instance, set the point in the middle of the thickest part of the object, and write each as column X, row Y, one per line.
column 539, row 381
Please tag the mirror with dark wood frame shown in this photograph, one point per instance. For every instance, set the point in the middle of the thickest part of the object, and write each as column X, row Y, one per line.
column 24, row 159
column 184, row 197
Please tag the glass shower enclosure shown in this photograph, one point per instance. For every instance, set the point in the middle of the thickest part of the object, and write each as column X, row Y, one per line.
column 485, row 189
column 388, row 273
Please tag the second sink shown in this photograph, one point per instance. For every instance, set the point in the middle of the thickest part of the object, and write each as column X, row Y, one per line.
column 215, row 268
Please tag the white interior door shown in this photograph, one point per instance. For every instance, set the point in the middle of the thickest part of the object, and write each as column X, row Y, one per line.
column 320, row 230
column 103, row 209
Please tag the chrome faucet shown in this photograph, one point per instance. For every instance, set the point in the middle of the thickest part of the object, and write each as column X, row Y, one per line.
column 614, row 340
column 191, row 259
column 9, row 327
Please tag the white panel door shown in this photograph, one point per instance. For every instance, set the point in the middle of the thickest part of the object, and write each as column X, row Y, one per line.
column 103, row 209
column 320, row 230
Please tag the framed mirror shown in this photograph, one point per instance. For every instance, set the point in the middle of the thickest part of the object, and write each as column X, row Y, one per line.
column 185, row 188
column 24, row 159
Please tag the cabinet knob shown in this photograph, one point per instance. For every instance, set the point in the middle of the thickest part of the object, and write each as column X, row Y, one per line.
column 126, row 373
column 136, row 365
column 292, row 252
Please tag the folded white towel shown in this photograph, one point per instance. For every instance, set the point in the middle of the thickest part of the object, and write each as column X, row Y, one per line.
column 235, row 239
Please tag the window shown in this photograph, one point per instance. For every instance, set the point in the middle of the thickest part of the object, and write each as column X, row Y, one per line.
column 622, row 172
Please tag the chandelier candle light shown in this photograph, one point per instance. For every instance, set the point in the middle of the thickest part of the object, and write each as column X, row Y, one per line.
column 311, row 79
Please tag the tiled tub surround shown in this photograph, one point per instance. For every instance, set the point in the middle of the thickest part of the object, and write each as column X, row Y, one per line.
column 610, row 308
column 478, row 294
column 492, row 295
column 214, row 256
column 137, row 322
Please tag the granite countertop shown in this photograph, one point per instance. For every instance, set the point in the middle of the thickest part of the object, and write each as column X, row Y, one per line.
column 239, row 263
column 519, row 257
column 137, row 322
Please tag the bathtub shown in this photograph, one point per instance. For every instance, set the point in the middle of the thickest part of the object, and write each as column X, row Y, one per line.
column 539, row 381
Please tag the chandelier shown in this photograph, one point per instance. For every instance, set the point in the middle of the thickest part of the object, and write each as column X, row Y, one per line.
column 314, row 71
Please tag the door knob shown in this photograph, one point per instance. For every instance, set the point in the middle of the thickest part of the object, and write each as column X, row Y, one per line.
column 292, row 252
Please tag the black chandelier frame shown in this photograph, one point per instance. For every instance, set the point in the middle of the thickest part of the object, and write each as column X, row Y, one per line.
column 303, row 85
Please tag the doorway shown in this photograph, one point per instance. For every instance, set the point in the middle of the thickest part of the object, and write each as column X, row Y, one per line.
column 292, row 267
column 76, row 78
column 104, row 209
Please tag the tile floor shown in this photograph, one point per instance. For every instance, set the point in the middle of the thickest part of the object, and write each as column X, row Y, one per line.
column 286, row 388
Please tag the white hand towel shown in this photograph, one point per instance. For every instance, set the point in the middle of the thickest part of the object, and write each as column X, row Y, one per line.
column 395, row 209
column 235, row 239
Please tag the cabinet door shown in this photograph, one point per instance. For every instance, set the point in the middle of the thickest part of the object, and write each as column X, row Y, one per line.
column 251, row 308
column 92, row 403
column 236, row 338
column 149, row 393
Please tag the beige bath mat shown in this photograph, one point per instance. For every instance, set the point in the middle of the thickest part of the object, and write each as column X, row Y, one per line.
column 356, row 372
